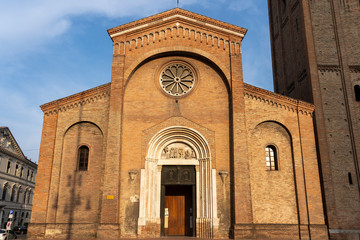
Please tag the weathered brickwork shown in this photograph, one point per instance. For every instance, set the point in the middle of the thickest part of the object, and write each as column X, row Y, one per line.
column 324, row 45
column 128, row 123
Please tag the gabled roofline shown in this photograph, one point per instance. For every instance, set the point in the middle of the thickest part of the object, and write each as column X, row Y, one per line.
column 15, row 144
column 177, row 13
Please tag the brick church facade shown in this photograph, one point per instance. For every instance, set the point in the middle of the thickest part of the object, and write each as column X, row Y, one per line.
column 178, row 144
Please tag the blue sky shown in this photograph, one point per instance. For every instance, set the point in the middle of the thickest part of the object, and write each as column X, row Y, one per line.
column 53, row 49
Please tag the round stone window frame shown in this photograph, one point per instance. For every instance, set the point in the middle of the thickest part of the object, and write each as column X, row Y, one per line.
column 173, row 62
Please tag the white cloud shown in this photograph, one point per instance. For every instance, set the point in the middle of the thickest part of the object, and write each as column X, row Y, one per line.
column 29, row 26
column 26, row 25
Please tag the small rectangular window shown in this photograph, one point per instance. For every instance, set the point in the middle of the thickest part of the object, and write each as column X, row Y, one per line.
column 8, row 167
column 357, row 93
column 350, row 178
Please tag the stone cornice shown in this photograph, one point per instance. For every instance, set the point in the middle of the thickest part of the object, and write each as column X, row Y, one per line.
column 17, row 180
column 17, row 157
column 200, row 19
column 278, row 100
column 76, row 100
column 11, row 154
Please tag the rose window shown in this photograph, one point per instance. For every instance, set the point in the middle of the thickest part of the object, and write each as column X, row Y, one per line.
column 177, row 79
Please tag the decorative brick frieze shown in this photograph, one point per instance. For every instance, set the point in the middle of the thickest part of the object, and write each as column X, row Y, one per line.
column 178, row 30
column 278, row 100
column 329, row 68
column 355, row 68
column 76, row 100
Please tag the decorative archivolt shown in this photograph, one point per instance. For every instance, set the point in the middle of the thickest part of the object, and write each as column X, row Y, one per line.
column 6, row 185
column 178, row 134
column 179, row 32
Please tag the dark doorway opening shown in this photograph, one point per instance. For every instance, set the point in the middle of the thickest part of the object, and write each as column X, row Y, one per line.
column 178, row 204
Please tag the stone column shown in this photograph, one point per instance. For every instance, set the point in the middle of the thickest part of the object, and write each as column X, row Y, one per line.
column 204, row 199
column 150, row 189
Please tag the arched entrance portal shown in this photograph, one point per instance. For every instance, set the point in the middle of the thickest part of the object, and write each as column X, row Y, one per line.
column 178, row 168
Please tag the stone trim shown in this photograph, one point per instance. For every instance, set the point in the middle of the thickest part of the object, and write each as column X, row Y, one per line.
column 176, row 11
column 76, row 100
column 278, row 100
column 173, row 31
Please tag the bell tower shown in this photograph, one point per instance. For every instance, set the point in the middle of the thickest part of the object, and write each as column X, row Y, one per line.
column 316, row 58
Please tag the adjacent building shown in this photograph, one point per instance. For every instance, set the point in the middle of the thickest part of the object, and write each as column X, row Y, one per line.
column 316, row 58
column 17, row 181
column 177, row 144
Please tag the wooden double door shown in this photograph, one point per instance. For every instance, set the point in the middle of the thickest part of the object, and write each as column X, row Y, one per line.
column 178, row 208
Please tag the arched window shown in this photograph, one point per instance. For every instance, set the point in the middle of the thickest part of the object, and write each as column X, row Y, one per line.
column 357, row 92
column 83, row 158
column 13, row 194
column 5, row 187
column 271, row 158
column 25, row 193
column 29, row 197
column 8, row 167
column 18, row 194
